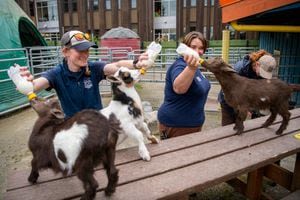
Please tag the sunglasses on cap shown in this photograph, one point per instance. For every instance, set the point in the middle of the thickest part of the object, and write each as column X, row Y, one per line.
column 79, row 37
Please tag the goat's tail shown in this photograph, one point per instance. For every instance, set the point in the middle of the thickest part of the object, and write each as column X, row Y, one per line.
column 295, row 87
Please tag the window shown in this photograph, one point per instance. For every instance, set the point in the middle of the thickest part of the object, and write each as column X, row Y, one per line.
column 108, row 4
column 42, row 11
column 193, row 2
column 133, row 3
column 96, row 5
column 66, row 5
column 172, row 8
column 164, row 8
column 66, row 8
column 53, row 15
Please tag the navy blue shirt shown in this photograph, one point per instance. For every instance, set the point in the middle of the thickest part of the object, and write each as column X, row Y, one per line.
column 184, row 110
column 75, row 90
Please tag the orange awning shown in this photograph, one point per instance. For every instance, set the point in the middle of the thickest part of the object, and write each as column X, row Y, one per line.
column 233, row 10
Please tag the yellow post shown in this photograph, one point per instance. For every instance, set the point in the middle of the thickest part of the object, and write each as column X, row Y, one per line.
column 225, row 45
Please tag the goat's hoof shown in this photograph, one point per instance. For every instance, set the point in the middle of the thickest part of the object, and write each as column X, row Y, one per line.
column 88, row 196
column 239, row 132
column 145, row 156
column 265, row 125
column 279, row 132
column 153, row 139
column 84, row 197
column 235, row 128
column 109, row 191
column 32, row 179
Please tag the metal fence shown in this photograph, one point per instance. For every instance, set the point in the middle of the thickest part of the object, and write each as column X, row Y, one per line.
column 40, row 59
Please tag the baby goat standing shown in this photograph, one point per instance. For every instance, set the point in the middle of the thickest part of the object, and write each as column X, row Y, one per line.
column 75, row 145
column 126, row 105
column 244, row 94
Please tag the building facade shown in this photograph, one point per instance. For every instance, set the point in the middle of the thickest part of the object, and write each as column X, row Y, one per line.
column 150, row 19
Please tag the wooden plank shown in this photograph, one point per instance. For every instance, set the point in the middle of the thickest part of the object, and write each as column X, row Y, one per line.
column 159, row 164
column 19, row 178
column 280, row 175
column 254, row 183
column 296, row 175
column 293, row 196
column 205, row 174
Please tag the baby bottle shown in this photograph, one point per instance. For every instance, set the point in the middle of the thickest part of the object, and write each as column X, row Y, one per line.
column 23, row 85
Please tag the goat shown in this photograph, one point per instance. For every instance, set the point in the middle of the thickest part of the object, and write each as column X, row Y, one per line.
column 244, row 94
column 77, row 144
column 126, row 105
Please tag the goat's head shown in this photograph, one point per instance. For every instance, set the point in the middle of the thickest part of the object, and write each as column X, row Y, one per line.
column 125, row 76
column 49, row 107
column 217, row 65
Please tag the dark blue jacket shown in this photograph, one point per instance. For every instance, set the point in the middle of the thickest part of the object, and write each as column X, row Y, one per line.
column 76, row 90
column 183, row 110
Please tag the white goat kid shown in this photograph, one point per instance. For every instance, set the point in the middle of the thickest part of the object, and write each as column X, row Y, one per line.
column 127, row 107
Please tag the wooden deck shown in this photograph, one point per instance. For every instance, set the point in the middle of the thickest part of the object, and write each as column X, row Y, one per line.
column 184, row 165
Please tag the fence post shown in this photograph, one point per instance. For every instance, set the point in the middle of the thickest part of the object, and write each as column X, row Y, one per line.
column 225, row 45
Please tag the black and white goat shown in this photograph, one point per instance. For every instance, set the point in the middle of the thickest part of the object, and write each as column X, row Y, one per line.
column 74, row 145
column 126, row 105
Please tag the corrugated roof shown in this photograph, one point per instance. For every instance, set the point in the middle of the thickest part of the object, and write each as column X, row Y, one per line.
column 119, row 32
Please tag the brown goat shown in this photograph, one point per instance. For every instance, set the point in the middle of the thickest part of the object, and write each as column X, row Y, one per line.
column 244, row 94
column 74, row 145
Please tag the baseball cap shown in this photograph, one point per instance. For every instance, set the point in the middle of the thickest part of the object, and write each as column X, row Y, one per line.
column 267, row 66
column 77, row 40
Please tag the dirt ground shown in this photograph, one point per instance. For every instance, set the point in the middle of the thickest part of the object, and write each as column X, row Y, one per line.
column 15, row 129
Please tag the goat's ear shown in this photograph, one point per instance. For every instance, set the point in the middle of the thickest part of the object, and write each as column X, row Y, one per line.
column 228, row 68
column 57, row 113
column 113, row 79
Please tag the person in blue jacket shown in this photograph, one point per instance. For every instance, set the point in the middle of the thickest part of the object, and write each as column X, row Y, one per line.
column 76, row 80
column 186, row 91
column 256, row 65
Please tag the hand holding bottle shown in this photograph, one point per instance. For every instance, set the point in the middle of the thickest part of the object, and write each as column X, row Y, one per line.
column 23, row 85
column 183, row 49
column 152, row 50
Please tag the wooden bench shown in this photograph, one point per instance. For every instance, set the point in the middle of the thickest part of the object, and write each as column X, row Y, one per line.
column 293, row 196
column 184, row 165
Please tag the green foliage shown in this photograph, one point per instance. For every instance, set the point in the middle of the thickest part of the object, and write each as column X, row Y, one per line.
column 235, row 43
column 138, row 86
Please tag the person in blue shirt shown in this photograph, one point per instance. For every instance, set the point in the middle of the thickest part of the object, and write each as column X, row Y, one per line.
column 76, row 81
column 256, row 65
column 186, row 91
